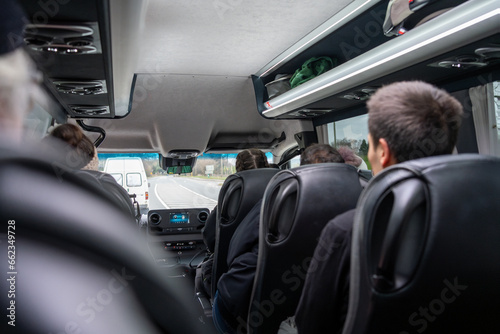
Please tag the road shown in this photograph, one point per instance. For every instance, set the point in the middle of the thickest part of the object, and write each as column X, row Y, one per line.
column 172, row 192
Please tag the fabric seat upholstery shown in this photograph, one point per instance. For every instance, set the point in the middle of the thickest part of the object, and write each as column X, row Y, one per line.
column 239, row 193
column 426, row 250
column 297, row 205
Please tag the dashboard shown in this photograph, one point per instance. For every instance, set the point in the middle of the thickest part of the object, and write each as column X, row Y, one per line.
column 176, row 221
column 174, row 236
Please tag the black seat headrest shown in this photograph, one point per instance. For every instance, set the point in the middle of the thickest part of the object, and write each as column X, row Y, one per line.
column 426, row 248
column 297, row 205
column 238, row 195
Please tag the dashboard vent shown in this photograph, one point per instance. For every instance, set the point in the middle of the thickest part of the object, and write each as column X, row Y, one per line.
column 154, row 219
column 203, row 216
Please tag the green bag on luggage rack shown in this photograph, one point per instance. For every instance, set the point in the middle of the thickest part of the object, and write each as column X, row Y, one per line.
column 311, row 69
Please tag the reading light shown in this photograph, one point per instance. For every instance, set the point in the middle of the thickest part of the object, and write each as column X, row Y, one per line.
column 62, row 39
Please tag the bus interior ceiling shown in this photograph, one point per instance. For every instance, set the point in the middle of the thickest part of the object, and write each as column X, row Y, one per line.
column 167, row 65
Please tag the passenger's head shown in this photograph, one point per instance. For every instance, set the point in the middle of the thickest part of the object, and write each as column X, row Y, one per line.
column 409, row 120
column 74, row 137
column 349, row 157
column 15, row 78
column 251, row 158
column 320, row 153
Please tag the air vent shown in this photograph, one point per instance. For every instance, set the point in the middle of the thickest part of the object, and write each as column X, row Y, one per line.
column 81, row 87
column 203, row 216
column 62, row 39
column 460, row 62
column 57, row 31
column 80, row 43
column 310, row 112
column 488, row 53
column 360, row 95
column 90, row 110
column 154, row 219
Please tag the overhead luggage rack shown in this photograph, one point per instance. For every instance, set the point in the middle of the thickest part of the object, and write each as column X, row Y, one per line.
column 459, row 31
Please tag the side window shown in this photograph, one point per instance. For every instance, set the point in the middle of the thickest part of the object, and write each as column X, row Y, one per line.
column 485, row 103
column 118, row 177
column 295, row 162
column 352, row 133
column 496, row 99
column 290, row 158
column 36, row 122
column 134, row 180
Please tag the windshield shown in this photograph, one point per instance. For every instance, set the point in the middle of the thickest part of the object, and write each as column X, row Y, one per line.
column 199, row 189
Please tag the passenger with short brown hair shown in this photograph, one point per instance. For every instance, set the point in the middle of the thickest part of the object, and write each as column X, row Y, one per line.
column 406, row 120
column 410, row 120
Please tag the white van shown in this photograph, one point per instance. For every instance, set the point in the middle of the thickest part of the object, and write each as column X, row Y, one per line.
column 130, row 174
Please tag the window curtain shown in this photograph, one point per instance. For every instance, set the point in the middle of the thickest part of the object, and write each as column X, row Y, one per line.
column 483, row 111
column 322, row 133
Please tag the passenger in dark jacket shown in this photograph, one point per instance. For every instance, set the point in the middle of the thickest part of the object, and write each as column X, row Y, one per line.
column 235, row 286
column 245, row 160
column 403, row 120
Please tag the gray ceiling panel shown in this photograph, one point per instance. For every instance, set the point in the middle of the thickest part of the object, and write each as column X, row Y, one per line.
column 226, row 37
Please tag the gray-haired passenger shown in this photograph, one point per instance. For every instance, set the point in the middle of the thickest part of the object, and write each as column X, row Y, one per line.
column 16, row 86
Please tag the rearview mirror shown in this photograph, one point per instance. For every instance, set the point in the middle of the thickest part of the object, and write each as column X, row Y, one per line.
column 179, row 170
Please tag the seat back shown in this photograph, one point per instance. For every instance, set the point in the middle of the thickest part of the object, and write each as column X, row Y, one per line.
column 239, row 193
column 81, row 265
column 426, row 250
column 120, row 196
column 297, row 205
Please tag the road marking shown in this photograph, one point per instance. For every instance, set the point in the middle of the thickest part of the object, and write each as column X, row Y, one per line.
column 197, row 193
column 158, row 196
